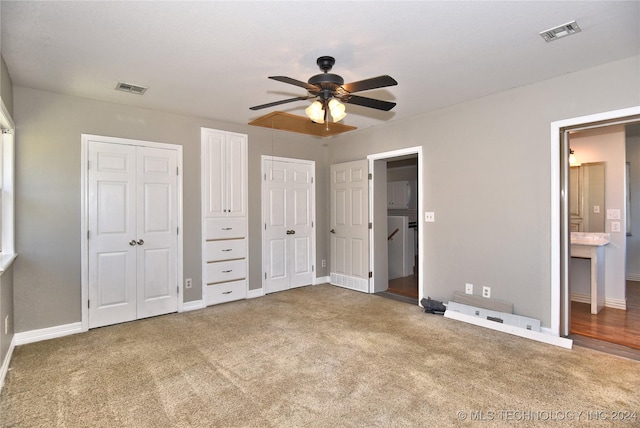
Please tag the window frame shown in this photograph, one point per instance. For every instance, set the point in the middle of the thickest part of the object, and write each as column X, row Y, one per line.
column 7, row 187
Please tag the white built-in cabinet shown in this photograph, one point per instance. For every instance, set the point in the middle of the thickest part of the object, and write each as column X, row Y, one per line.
column 398, row 193
column 224, row 216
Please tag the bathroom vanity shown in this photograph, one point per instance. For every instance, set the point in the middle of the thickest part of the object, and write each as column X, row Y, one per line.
column 591, row 246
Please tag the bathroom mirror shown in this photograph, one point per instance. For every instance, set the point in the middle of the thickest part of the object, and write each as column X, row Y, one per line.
column 587, row 197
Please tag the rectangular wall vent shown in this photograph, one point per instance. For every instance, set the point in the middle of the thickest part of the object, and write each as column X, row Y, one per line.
column 561, row 31
column 128, row 87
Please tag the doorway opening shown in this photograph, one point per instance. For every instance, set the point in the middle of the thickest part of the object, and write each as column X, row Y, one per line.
column 571, row 309
column 602, row 189
column 396, row 238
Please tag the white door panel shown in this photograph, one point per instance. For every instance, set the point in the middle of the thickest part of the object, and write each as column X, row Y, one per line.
column 157, row 232
column 350, row 225
column 112, row 260
column 288, row 236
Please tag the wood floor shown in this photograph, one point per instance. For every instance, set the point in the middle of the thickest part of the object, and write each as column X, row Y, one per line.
column 610, row 325
column 406, row 286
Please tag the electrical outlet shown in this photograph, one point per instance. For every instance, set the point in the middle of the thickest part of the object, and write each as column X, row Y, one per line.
column 429, row 217
column 596, row 209
column 615, row 226
column 188, row 283
column 324, row 263
column 468, row 288
column 486, row 292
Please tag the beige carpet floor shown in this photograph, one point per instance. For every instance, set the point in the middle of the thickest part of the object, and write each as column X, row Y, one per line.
column 315, row 356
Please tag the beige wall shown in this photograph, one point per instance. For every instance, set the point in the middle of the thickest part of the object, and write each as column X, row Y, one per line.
column 49, row 127
column 487, row 177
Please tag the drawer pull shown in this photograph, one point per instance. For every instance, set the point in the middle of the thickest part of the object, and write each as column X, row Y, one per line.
column 227, row 271
column 227, row 292
column 227, row 228
column 228, row 249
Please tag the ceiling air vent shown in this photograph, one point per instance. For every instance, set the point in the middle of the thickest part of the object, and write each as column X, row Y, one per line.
column 128, row 87
column 561, row 31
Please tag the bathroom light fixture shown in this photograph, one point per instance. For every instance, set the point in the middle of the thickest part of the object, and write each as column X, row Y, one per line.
column 572, row 158
column 560, row 31
column 317, row 111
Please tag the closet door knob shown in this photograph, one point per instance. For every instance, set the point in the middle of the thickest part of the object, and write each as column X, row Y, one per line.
column 132, row 242
column 140, row 242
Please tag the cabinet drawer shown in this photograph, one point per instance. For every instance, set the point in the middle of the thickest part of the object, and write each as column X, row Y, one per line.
column 226, row 250
column 226, row 292
column 226, row 271
column 227, row 228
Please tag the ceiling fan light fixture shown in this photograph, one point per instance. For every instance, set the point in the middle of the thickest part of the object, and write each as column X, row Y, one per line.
column 337, row 110
column 315, row 112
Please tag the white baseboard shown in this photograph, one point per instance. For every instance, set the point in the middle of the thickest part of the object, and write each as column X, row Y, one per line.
column 5, row 364
column 321, row 280
column 516, row 331
column 633, row 277
column 47, row 333
column 193, row 305
column 608, row 302
column 252, row 294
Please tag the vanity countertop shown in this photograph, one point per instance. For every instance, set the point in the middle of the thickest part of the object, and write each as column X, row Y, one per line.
column 590, row 239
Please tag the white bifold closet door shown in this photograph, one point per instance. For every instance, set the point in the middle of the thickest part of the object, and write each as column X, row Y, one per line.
column 133, row 232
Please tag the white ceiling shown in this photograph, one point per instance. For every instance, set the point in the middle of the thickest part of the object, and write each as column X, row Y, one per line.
column 211, row 59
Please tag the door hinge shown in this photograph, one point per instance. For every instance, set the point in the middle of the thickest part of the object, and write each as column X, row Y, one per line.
column 265, row 275
column 88, row 165
column 178, row 289
column 177, row 230
column 370, row 176
column 311, row 224
column 265, row 226
column 311, row 180
column 87, row 234
column 265, row 176
column 313, row 268
column 88, row 304
column 177, row 170
column 370, row 274
column 370, row 225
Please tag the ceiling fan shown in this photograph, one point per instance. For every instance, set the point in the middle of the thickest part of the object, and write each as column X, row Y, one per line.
column 330, row 89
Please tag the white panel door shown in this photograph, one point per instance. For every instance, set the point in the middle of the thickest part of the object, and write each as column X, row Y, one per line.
column 133, row 242
column 349, row 190
column 112, row 228
column 157, row 245
column 236, row 155
column 213, row 150
column 288, row 214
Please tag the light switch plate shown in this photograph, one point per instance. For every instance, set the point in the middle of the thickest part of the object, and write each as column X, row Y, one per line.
column 429, row 217
column 596, row 209
column 613, row 214
column 468, row 288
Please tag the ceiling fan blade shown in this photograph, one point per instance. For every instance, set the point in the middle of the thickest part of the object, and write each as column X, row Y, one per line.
column 373, row 83
column 291, row 81
column 276, row 103
column 369, row 102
